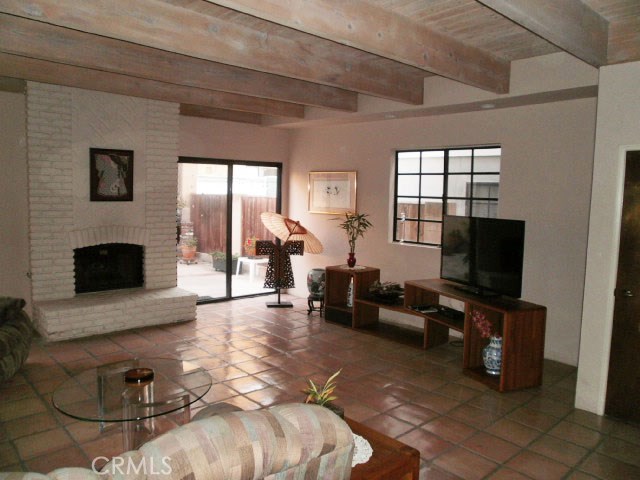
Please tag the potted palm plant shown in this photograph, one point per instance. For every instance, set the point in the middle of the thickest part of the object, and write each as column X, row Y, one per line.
column 324, row 395
column 355, row 225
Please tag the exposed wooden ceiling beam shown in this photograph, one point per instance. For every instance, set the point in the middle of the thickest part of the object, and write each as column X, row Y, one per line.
column 624, row 41
column 568, row 24
column 161, row 25
column 14, row 85
column 373, row 29
column 33, row 39
column 220, row 114
column 49, row 72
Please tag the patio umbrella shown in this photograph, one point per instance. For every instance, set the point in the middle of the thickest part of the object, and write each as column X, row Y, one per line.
column 297, row 240
column 290, row 230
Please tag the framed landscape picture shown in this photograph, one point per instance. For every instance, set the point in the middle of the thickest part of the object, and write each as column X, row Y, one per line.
column 111, row 175
column 332, row 192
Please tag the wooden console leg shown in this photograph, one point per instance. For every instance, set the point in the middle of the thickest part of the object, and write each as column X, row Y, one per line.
column 435, row 334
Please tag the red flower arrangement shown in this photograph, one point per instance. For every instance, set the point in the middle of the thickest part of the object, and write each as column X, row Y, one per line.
column 482, row 324
column 250, row 246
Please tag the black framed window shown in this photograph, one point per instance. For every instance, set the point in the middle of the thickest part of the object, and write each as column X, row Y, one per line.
column 461, row 181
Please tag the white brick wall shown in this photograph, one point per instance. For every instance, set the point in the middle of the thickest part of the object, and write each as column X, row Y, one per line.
column 50, row 190
column 55, row 230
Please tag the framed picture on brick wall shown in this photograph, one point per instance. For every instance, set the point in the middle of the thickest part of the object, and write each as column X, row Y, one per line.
column 111, row 175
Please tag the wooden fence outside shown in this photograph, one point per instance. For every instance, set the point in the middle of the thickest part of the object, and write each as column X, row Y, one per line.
column 209, row 216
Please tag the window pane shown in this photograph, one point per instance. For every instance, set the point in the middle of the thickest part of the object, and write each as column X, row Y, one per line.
column 460, row 162
column 431, row 209
column 409, row 162
column 430, row 232
column 407, row 231
column 408, row 185
column 408, row 206
column 458, row 185
column 458, row 207
column 487, row 160
column 432, row 186
column 433, row 162
column 485, row 208
column 485, row 190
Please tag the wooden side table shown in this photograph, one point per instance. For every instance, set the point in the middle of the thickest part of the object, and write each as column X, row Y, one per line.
column 391, row 458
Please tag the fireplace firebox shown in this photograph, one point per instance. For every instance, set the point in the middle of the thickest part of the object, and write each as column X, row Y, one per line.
column 109, row 266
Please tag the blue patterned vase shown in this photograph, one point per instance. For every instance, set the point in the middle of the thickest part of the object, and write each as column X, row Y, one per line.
column 492, row 356
column 315, row 282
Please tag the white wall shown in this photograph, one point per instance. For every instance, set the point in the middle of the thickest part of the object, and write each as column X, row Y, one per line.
column 618, row 129
column 545, row 180
column 14, row 228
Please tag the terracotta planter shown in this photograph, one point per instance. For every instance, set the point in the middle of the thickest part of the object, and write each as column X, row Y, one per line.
column 188, row 253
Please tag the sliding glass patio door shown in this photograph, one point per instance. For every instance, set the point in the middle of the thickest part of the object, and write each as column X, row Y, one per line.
column 219, row 207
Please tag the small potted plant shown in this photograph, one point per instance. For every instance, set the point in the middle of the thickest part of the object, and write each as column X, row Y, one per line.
column 188, row 246
column 355, row 225
column 219, row 261
column 324, row 395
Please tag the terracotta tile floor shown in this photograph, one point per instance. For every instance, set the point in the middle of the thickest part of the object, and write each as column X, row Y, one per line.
column 259, row 356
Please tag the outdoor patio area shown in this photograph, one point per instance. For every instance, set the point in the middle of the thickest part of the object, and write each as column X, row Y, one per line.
column 201, row 278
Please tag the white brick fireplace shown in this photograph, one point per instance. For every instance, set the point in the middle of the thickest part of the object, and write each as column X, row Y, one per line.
column 62, row 125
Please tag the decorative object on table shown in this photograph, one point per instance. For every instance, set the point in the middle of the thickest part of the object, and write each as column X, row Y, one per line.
column 250, row 246
column 189, row 247
column 324, row 395
column 296, row 240
column 492, row 353
column 355, row 225
column 111, row 175
column 386, row 292
column 139, row 382
column 350, row 293
column 362, row 450
column 315, row 285
column 332, row 192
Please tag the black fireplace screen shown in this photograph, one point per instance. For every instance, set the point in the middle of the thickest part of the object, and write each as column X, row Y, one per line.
column 108, row 266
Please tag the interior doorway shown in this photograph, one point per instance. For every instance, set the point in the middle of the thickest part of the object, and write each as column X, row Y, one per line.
column 623, row 384
column 219, row 207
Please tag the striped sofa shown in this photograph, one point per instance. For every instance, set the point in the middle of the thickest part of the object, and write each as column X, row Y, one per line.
column 284, row 442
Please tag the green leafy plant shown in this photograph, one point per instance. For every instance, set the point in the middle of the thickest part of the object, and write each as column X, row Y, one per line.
column 189, row 242
column 355, row 225
column 321, row 396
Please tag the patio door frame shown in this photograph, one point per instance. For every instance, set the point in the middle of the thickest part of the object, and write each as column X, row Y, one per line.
column 230, row 165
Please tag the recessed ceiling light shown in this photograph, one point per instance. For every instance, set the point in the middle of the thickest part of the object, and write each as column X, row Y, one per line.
column 487, row 106
column 390, row 116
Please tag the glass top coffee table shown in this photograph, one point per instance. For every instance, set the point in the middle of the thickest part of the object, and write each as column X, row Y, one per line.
column 135, row 392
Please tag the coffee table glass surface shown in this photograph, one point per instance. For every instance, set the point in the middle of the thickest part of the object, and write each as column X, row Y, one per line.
column 100, row 394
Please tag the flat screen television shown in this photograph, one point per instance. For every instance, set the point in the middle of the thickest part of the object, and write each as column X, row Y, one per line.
column 484, row 255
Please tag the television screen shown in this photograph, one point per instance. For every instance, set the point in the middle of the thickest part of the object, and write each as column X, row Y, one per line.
column 485, row 254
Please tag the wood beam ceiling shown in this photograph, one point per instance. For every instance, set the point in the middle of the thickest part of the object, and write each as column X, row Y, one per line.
column 373, row 29
column 220, row 114
column 568, row 24
column 164, row 26
column 50, row 72
column 39, row 40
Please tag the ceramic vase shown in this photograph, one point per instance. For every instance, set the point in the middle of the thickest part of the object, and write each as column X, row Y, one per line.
column 492, row 356
column 315, row 282
column 351, row 261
